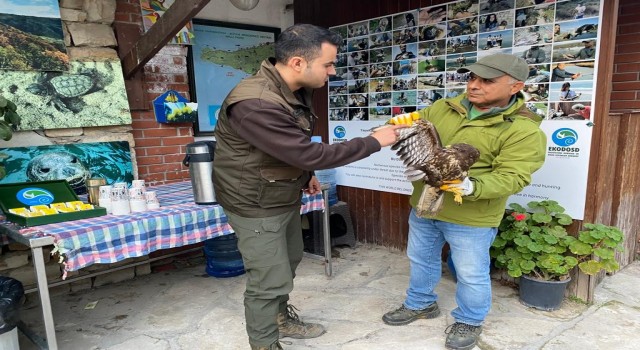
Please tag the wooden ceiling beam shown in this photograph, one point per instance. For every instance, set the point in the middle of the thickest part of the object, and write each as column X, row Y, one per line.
column 165, row 28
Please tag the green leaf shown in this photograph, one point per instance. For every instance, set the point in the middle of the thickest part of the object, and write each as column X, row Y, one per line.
column 3, row 102
column 610, row 265
column 580, row 248
column 5, row 131
column 604, row 253
column 499, row 242
column 534, row 247
column 11, row 106
column 590, row 267
column 541, row 217
column 550, row 239
column 527, row 266
column 12, row 117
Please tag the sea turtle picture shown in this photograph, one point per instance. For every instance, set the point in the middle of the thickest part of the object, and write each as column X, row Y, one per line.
column 65, row 90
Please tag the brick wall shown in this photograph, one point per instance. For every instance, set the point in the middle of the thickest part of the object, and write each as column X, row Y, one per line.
column 159, row 147
column 625, row 95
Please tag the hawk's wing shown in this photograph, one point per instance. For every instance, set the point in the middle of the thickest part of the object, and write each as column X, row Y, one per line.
column 416, row 145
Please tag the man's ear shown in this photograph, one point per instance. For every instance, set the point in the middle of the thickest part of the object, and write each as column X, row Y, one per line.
column 517, row 86
column 297, row 63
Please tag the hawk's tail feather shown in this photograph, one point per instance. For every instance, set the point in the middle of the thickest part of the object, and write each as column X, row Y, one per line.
column 430, row 201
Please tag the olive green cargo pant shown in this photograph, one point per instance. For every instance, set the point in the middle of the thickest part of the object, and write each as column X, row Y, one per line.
column 271, row 250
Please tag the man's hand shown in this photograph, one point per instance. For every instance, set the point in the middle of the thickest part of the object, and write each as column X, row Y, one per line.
column 386, row 134
column 314, row 186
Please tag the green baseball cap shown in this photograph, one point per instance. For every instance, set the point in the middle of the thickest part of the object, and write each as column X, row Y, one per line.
column 497, row 65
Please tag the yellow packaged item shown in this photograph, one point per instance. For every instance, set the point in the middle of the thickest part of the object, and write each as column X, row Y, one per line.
column 58, row 205
column 65, row 210
column 74, row 204
column 38, row 207
column 48, row 211
column 19, row 211
column 84, row 206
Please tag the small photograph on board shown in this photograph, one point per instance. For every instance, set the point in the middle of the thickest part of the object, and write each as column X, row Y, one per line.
column 571, row 91
column 435, row 64
column 428, row 97
column 574, row 50
column 379, row 70
column 433, row 31
column 462, row 9
column 404, row 67
column 381, row 99
column 583, row 29
column 562, row 71
column 380, row 113
column 380, row 40
column 380, row 55
column 534, row 54
column 405, row 82
column 404, row 98
column 432, row 15
column 489, row 6
column 464, row 26
column 380, row 25
column 539, row 73
column 406, row 35
column 430, row 49
column 431, row 81
column 358, row 100
column 357, row 29
column 496, row 21
column 536, row 35
column 535, row 16
column 569, row 111
column 405, row 20
column 358, row 114
column 536, row 92
column 340, row 114
column 465, row 43
column 577, row 9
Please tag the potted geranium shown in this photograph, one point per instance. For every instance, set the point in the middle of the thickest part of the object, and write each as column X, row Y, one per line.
column 533, row 244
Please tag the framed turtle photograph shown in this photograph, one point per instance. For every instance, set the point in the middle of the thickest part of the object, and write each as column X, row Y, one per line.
column 91, row 93
column 74, row 163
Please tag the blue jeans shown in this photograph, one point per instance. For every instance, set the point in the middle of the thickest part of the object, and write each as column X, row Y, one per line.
column 470, row 255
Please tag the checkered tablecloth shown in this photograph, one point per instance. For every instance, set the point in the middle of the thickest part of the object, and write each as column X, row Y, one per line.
column 109, row 238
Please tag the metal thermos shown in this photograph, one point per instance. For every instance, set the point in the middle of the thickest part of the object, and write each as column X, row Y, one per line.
column 199, row 159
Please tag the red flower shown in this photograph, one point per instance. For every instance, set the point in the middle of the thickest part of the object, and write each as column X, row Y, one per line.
column 518, row 216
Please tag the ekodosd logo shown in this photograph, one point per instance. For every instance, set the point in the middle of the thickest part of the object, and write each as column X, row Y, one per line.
column 564, row 137
column 34, row 196
column 340, row 131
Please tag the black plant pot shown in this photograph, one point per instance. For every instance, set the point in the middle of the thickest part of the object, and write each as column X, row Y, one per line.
column 542, row 295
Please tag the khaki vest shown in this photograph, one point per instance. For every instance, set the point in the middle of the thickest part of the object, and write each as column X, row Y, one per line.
column 247, row 181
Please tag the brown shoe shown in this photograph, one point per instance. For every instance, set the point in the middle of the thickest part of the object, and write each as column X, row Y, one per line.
column 289, row 325
column 274, row 346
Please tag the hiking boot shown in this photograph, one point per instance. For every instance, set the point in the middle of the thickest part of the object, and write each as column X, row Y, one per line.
column 403, row 316
column 462, row 336
column 274, row 346
column 289, row 325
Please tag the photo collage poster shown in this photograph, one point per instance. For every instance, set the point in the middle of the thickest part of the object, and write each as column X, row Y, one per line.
column 403, row 62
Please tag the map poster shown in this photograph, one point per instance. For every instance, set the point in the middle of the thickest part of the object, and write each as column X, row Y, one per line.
column 221, row 56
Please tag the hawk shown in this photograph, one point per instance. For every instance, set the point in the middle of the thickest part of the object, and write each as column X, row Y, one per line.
column 420, row 149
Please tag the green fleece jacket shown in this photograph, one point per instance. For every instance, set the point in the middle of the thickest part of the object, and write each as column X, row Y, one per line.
column 512, row 147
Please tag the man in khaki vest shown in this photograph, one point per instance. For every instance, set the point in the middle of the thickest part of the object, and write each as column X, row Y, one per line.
column 264, row 158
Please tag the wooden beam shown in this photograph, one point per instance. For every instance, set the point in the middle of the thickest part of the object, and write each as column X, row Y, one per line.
column 165, row 28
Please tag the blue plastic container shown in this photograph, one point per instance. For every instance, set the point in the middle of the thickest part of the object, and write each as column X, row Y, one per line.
column 327, row 176
column 223, row 257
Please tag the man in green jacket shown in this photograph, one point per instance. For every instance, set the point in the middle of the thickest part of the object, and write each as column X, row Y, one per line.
column 491, row 116
column 264, row 158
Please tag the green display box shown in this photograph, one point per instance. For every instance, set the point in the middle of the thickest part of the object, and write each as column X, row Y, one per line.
column 26, row 194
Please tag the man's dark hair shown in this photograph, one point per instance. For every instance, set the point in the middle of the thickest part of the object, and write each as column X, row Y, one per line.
column 304, row 40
